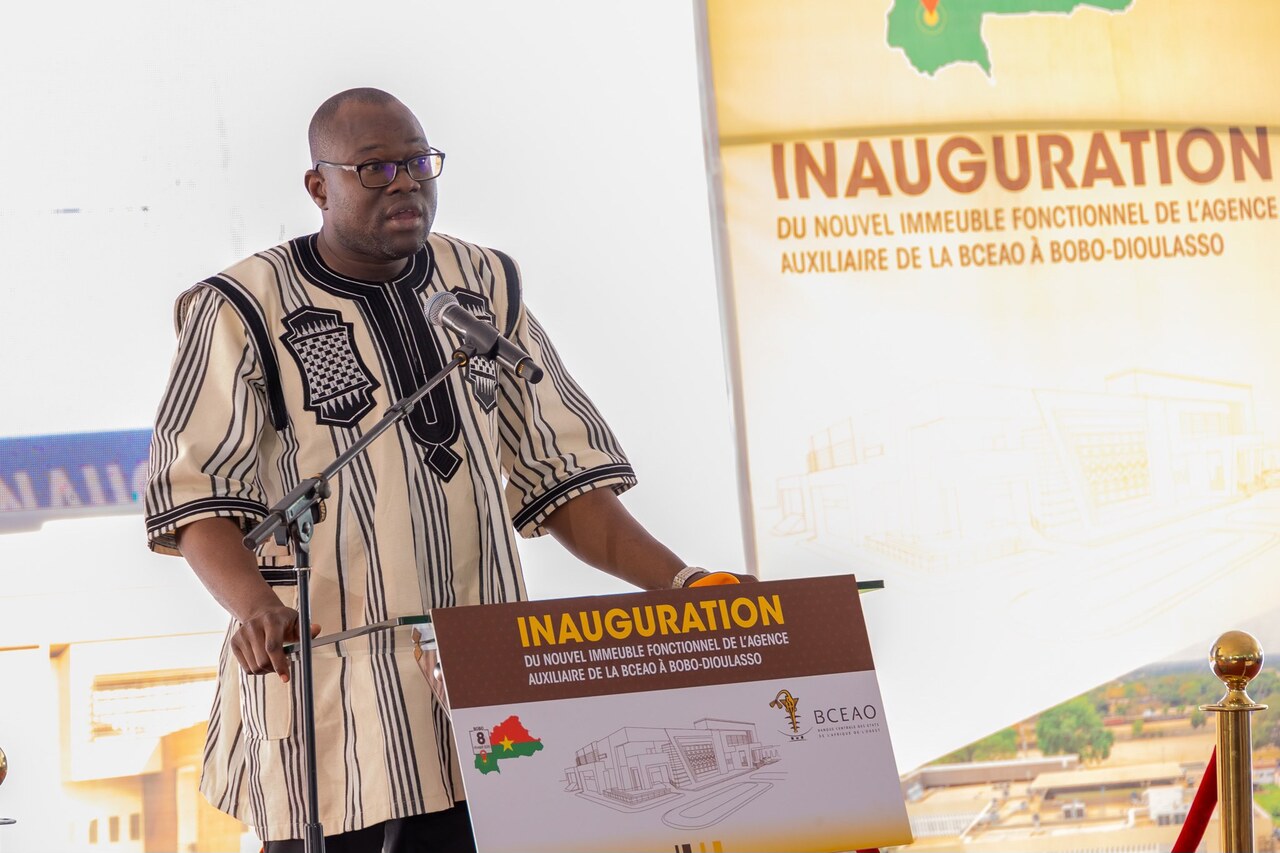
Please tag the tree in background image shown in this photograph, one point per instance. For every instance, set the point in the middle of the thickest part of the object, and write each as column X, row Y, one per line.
column 1196, row 691
column 1197, row 718
column 1266, row 727
column 1137, row 690
column 1002, row 744
column 1074, row 727
column 1108, row 697
column 1267, row 683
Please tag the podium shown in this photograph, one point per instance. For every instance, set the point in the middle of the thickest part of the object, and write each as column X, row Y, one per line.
column 732, row 718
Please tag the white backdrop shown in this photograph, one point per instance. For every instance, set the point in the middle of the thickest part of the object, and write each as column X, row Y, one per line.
column 573, row 136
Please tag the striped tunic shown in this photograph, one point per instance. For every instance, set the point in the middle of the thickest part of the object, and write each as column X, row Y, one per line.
column 281, row 363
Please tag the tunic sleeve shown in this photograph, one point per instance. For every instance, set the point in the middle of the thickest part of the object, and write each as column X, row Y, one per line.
column 204, row 451
column 555, row 444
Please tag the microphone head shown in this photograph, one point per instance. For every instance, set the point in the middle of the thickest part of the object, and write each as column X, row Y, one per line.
column 437, row 305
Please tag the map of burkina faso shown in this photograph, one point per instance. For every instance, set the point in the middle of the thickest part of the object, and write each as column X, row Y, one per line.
column 937, row 33
column 508, row 739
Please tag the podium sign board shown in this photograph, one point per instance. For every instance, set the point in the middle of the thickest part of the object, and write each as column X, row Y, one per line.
column 729, row 718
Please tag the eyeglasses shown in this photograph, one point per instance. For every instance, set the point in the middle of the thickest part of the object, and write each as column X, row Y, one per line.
column 424, row 167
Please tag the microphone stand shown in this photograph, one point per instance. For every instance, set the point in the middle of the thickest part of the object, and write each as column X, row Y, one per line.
column 292, row 521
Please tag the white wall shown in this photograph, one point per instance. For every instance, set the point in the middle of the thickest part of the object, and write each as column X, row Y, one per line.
column 573, row 135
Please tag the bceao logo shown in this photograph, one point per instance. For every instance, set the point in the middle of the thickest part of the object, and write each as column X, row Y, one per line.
column 846, row 720
column 789, row 704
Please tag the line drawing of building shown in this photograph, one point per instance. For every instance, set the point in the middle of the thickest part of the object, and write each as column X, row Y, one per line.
column 958, row 475
column 695, row 769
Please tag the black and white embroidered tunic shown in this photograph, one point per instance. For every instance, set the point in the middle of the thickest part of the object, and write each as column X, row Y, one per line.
column 281, row 363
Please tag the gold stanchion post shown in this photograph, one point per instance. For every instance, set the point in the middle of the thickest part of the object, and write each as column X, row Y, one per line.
column 4, row 771
column 1237, row 660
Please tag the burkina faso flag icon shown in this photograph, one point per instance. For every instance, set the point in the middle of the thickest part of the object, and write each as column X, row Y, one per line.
column 508, row 739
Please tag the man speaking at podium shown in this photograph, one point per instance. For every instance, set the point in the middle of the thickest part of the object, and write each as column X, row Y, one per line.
column 282, row 361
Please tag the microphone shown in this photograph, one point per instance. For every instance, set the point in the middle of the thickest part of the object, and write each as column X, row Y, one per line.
column 445, row 311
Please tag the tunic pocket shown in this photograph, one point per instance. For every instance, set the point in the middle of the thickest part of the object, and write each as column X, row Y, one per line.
column 266, row 706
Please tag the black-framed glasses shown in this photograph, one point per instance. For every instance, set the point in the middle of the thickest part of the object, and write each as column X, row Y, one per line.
column 380, row 173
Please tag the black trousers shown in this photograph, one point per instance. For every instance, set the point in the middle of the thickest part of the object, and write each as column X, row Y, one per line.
column 448, row 831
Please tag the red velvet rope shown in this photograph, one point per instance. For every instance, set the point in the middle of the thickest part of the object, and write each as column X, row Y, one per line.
column 1201, row 809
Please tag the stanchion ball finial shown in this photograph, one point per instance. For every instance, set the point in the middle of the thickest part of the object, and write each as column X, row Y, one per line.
column 1236, row 658
column 4, row 766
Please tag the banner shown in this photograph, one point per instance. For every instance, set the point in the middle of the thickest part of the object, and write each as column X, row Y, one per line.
column 999, row 283
column 728, row 718
column 49, row 477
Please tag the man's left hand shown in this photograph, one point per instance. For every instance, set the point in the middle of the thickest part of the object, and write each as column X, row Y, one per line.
column 720, row 578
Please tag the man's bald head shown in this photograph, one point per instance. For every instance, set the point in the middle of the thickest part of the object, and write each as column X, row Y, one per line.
column 320, row 131
column 369, row 232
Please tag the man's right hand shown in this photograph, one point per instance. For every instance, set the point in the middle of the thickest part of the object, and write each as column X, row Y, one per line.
column 258, row 643
column 215, row 550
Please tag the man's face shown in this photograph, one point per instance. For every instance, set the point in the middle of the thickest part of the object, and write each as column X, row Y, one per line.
column 388, row 223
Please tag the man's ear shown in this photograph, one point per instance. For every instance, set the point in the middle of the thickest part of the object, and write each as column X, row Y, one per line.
column 314, row 182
